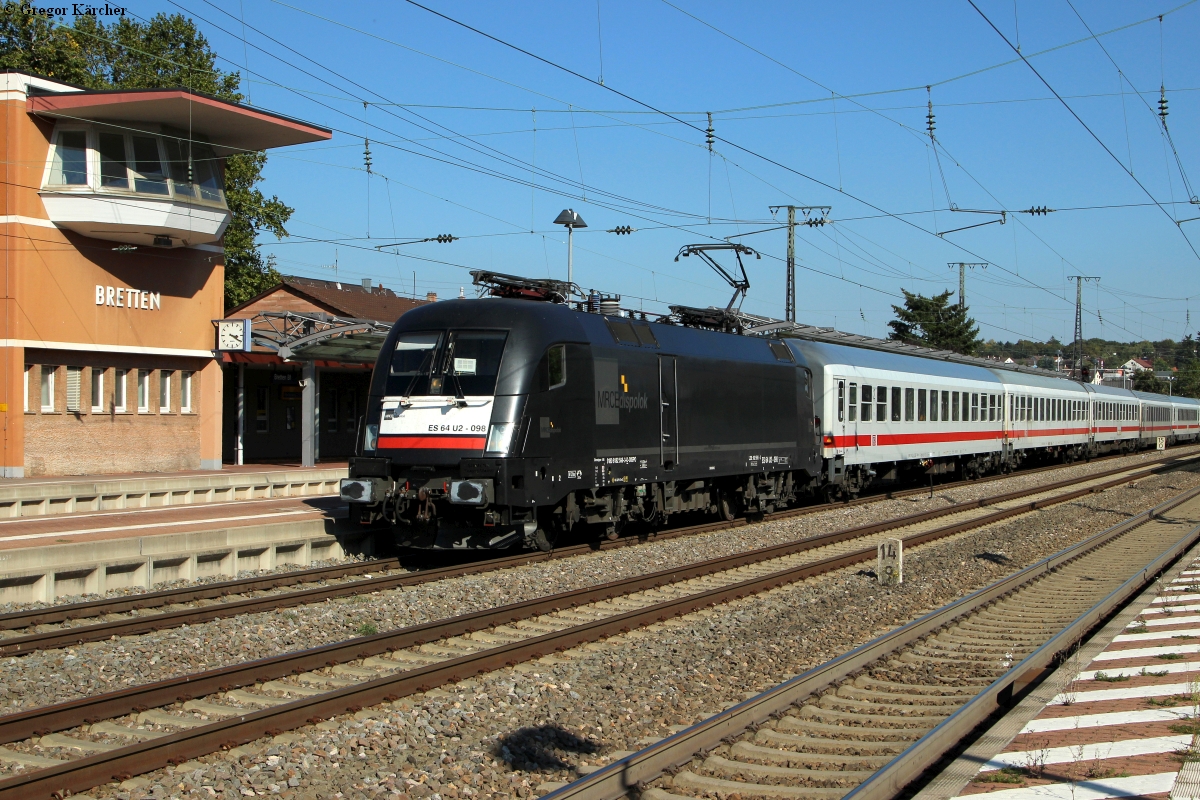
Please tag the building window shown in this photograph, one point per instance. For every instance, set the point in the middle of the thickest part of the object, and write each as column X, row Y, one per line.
column 70, row 160
column 97, row 390
column 148, row 175
column 143, row 390
column 185, row 392
column 114, row 164
column 289, row 417
column 164, row 391
column 119, row 390
column 261, row 419
column 28, row 369
column 48, row 387
column 74, row 379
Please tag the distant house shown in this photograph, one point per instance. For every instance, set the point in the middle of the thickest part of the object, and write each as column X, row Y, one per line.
column 270, row 387
column 1137, row 365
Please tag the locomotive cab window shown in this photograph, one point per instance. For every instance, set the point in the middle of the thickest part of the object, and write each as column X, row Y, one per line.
column 458, row 363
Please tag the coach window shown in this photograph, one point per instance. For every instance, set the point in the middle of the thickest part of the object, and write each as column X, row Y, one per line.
column 945, row 406
column 881, row 404
column 896, row 404
column 909, row 402
column 974, row 406
column 866, row 402
column 922, row 414
column 841, row 400
column 954, row 406
column 853, row 402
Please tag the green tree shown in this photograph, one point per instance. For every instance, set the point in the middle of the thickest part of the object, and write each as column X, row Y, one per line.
column 934, row 322
column 1145, row 381
column 167, row 51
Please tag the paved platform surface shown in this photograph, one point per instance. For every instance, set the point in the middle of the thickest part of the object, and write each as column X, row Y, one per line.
column 105, row 525
column 1122, row 721
column 244, row 469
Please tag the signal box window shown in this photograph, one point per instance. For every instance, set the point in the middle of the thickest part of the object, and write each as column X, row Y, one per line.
column 852, row 406
column 70, row 160
column 866, row 402
column 556, row 361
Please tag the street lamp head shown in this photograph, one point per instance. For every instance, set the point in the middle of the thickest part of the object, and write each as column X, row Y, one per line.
column 570, row 218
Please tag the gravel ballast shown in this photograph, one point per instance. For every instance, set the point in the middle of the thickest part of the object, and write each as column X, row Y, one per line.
column 506, row 733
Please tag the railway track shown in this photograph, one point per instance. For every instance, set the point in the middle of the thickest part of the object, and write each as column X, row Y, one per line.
column 118, row 734
column 198, row 604
column 867, row 724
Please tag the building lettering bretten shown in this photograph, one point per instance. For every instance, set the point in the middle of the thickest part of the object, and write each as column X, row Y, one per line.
column 128, row 297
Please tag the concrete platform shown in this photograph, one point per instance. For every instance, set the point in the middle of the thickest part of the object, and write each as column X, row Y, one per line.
column 1115, row 720
column 42, row 558
column 35, row 497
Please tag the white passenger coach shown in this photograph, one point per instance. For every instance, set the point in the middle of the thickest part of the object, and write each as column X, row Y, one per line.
column 884, row 413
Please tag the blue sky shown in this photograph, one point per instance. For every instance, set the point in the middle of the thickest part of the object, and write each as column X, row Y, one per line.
column 459, row 126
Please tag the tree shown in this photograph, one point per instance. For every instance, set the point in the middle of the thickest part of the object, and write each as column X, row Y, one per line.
column 1146, row 381
column 167, row 51
column 934, row 322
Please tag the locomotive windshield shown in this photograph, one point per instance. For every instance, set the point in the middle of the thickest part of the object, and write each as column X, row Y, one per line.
column 454, row 363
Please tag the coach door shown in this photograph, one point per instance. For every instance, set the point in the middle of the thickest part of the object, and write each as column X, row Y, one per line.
column 668, row 412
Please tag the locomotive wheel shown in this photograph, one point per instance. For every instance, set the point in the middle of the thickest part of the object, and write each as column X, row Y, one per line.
column 725, row 508
column 541, row 541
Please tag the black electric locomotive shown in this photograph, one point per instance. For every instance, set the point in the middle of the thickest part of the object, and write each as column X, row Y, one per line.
column 502, row 422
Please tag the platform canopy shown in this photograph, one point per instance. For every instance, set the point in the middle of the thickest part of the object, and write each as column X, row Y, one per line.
column 348, row 346
column 228, row 125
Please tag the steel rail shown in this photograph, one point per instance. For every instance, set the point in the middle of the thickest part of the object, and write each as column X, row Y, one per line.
column 67, row 612
column 119, row 764
column 618, row 779
column 131, row 626
column 66, row 637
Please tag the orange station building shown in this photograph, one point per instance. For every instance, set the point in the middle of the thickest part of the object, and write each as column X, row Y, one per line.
column 113, row 272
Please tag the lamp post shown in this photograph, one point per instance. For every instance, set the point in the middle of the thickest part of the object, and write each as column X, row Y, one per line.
column 571, row 220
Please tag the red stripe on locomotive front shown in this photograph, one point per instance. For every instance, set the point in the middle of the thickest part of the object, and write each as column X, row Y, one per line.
column 431, row 442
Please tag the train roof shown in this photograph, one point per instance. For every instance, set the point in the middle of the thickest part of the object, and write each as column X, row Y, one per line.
column 824, row 353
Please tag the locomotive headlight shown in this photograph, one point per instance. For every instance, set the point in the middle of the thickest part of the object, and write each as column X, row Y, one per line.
column 499, row 438
column 370, row 437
